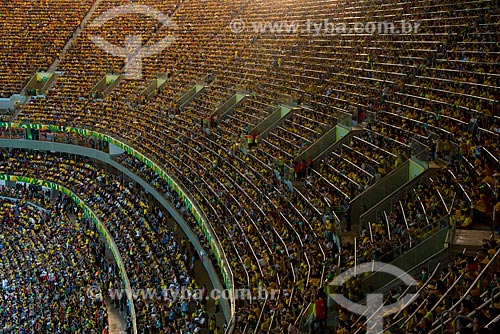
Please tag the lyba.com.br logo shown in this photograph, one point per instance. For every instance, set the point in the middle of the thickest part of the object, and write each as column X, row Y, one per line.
column 183, row 293
column 323, row 27
column 374, row 310
column 133, row 51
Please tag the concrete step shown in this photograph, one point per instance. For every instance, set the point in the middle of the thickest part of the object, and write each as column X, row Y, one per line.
column 470, row 240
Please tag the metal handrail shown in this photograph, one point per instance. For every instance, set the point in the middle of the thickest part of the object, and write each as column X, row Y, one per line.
column 396, row 196
column 447, row 292
column 371, row 231
column 455, row 322
column 410, row 241
column 471, row 287
column 294, row 231
column 442, row 319
column 416, row 293
column 492, row 298
column 497, row 319
column 388, row 226
column 482, row 306
column 260, row 316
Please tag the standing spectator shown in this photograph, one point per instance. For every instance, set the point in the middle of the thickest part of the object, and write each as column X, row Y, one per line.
column 319, row 315
column 212, row 325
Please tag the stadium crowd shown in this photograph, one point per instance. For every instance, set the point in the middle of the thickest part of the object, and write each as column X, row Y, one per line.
column 461, row 288
column 30, row 45
column 48, row 262
column 438, row 85
column 155, row 260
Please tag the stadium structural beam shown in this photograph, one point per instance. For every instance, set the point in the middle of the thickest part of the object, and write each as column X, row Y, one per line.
column 39, row 83
column 230, row 104
column 104, row 87
column 369, row 205
column 335, row 137
column 154, row 86
column 275, row 119
column 190, row 95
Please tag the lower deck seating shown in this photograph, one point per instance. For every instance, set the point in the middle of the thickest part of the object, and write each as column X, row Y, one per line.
column 145, row 236
column 58, row 259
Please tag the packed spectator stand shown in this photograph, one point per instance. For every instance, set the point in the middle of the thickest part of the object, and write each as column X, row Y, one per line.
column 154, row 258
column 438, row 85
column 29, row 44
column 57, row 259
